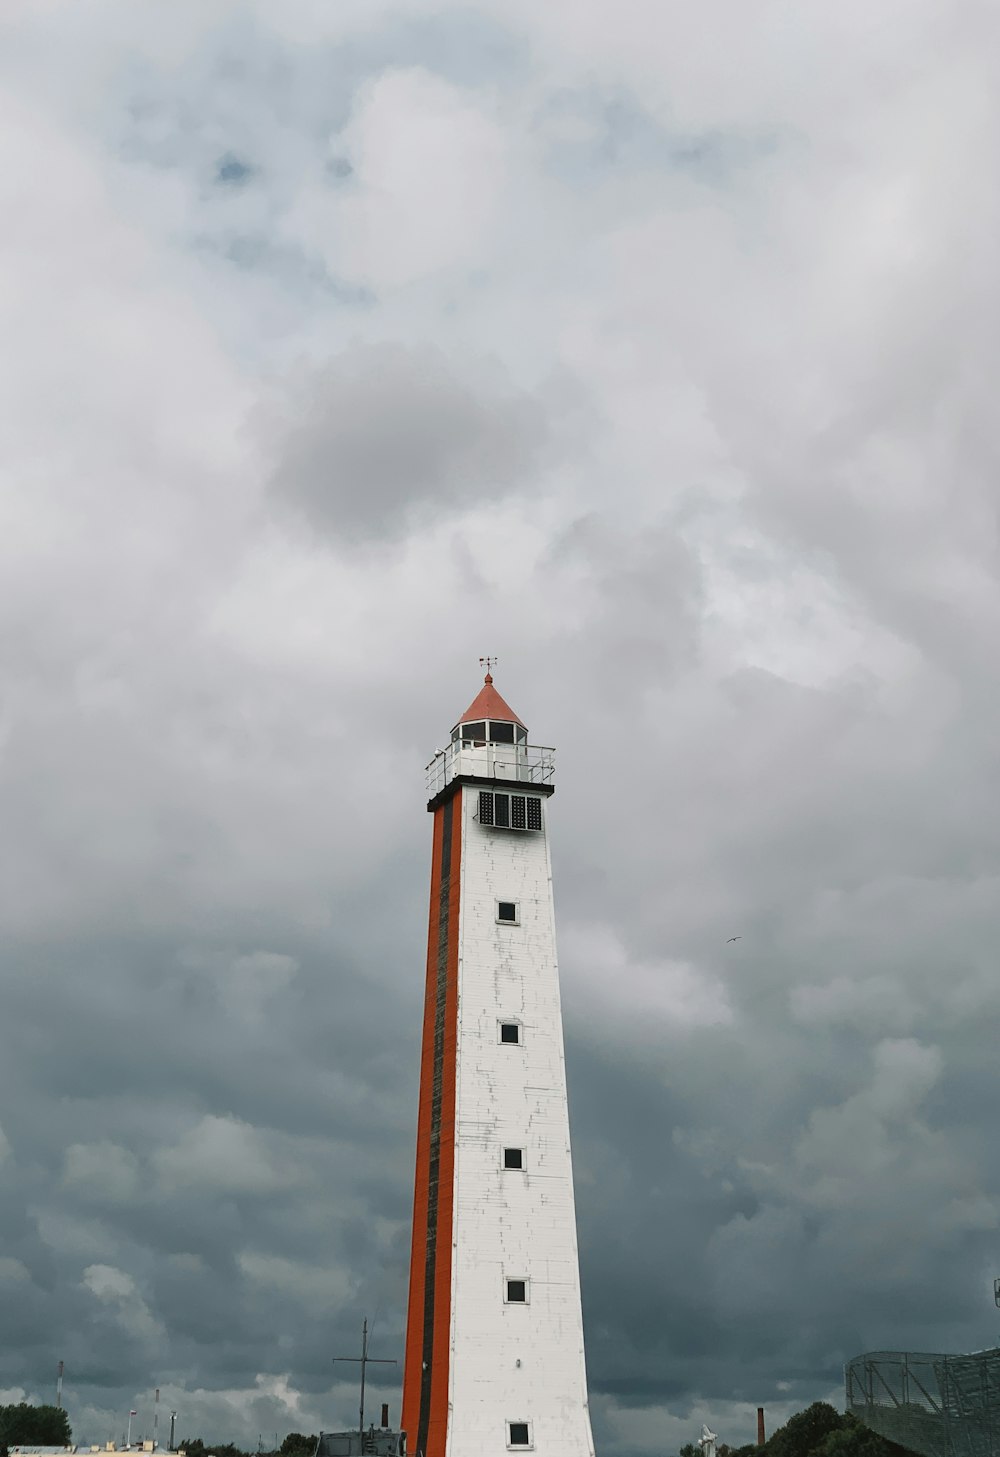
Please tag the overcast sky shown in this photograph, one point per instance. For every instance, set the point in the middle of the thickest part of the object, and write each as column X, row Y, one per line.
column 652, row 347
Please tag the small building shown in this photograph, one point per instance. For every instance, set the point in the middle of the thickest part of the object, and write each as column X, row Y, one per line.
column 376, row 1442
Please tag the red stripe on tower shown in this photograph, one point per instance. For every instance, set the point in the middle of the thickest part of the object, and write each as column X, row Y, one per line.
column 426, row 1364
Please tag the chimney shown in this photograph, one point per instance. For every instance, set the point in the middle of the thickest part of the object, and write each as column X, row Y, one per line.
column 385, row 1414
column 761, row 1439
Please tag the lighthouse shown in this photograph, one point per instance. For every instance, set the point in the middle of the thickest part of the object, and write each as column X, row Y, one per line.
column 494, row 1358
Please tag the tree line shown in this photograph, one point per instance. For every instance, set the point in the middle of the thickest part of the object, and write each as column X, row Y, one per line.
column 296, row 1444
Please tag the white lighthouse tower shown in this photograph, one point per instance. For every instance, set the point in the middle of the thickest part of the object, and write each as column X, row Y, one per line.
column 494, row 1343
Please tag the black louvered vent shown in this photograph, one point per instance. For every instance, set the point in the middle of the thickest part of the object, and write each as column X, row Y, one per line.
column 510, row 811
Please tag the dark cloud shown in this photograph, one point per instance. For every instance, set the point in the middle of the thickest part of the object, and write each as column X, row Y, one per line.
column 388, row 435
column 723, row 505
column 232, row 171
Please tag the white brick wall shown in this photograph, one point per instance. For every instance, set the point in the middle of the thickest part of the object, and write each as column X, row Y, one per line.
column 512, row 1362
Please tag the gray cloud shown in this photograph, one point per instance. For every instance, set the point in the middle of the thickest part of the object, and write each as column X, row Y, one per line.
column 387, row 435
column 741, row 570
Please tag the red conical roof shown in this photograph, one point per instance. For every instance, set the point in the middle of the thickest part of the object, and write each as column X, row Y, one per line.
column 489, row 704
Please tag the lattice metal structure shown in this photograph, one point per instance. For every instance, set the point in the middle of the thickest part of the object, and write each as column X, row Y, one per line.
column 937, row 1405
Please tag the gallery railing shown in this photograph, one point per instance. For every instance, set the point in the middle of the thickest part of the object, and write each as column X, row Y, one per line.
column 518, row 763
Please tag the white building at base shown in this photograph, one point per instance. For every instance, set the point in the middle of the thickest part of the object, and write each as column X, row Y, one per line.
column 494, row 1346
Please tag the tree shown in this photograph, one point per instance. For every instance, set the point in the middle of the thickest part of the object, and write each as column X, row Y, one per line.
column 296, row 1444
column 195, row 1447
column 854, row 1439
column 803, row 1433
column 37, row 1426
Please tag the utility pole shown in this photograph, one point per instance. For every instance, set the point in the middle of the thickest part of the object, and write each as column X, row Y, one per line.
column 173, row 1418
column 59, row 1377
column 365, row 1361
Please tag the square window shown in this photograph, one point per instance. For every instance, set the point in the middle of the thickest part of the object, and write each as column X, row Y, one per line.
column 507, row 912
column 510, row 1032
column 517, row 1292
column 513, row 1158
column 518, row 1434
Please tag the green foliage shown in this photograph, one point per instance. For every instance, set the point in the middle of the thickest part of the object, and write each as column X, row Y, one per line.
column 195, row 1447
column 803, row 1433
column 295, row 1444
column 36, row 1426
column 854, row 1439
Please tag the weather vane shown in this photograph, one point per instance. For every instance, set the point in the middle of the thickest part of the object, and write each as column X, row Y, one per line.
column 489, row 664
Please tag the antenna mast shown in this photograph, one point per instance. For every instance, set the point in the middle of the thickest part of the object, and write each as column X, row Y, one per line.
column 364, row 1360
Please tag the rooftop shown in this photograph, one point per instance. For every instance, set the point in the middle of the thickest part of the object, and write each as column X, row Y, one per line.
column 489, row 704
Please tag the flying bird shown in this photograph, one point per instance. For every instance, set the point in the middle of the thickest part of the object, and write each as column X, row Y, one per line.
column 734, row 938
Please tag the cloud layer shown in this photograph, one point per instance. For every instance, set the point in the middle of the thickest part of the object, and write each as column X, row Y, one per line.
column 654, row 353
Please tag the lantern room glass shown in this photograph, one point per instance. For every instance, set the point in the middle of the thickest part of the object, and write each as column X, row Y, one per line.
column 489, row 731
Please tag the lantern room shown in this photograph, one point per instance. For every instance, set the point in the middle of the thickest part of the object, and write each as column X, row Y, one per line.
column 489, row 741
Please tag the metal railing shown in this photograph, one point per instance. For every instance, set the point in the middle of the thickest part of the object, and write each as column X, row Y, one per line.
column 518, row 763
